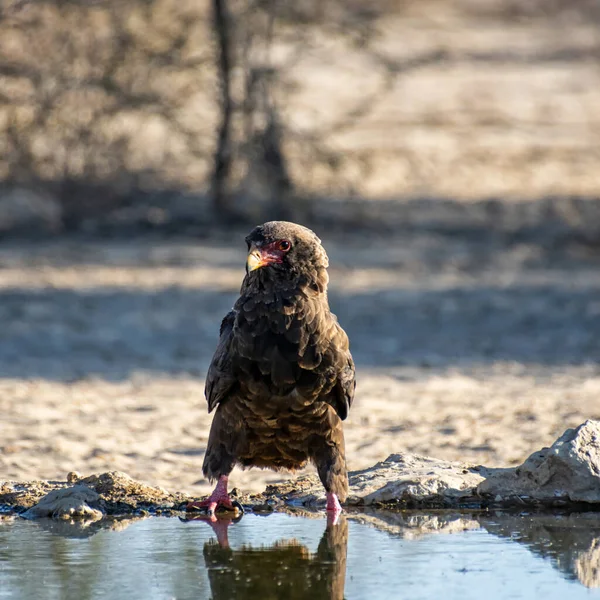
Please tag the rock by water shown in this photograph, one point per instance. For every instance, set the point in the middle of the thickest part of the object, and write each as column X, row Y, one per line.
column 67, row 503
column 565, row 475
column 567, row 472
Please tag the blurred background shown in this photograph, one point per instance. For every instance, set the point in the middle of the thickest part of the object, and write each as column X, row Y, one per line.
column 447, row 152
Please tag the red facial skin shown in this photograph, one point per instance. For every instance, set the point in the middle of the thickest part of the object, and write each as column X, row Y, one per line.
column 274, row 252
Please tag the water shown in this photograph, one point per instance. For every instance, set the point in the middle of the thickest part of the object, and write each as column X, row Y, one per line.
column 378, row 556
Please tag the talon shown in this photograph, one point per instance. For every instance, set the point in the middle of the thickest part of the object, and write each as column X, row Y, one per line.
column 205, row 506
column 240, row 508
column 219, row 498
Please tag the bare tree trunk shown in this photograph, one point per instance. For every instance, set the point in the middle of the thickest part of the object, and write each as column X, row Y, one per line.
column 222, row 156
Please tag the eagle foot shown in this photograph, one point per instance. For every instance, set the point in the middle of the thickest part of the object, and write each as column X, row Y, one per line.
column 211, row 507
column 218, row 499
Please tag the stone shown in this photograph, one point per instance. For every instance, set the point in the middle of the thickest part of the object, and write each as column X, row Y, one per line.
column 111, row 493
column 116, row 487
column 402, row 479
column 67, row 503
column 23, row 495
column 567, row 472
column 415, row 480
column 73, row 477
column 565, row 475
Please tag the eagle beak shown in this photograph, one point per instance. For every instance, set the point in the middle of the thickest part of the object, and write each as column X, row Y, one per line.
column 262, row 256
column 255, row 261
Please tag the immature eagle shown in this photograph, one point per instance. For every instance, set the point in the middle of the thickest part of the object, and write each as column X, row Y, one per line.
column 282, row 377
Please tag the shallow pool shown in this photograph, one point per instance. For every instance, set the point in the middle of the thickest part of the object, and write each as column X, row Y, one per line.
column 376, row 556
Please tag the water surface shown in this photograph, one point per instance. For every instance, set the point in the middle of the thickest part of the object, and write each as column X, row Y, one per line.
column 385, row 555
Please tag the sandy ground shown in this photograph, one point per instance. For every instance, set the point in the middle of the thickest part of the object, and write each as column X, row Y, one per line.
column 468, row 349
column 471, row 348
column 471, row 108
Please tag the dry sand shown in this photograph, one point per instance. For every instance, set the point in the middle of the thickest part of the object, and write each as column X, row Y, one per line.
column 465, row 349
column 468, row 348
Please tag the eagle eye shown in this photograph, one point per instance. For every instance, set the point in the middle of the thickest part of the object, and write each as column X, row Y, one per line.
column 284, row 246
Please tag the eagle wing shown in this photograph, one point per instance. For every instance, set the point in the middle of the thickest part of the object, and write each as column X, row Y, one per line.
column 345, row 383
column 220, row 378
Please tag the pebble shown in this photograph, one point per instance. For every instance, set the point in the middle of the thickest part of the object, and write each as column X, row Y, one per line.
column 73, row 477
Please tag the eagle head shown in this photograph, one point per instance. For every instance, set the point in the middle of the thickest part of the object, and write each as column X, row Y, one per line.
column 280, row 250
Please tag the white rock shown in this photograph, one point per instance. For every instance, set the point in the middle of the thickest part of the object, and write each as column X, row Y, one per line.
column 67, row 503
column 414, row 479
column 568, row 471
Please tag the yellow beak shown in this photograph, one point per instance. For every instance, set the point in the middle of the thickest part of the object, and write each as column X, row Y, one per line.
column 255, row 261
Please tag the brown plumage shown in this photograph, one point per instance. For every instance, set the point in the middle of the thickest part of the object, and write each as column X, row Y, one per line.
column 282, row 377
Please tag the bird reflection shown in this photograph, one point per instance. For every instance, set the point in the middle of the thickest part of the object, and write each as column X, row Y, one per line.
column 286, row 569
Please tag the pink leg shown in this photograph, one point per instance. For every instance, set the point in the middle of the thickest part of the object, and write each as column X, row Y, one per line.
column 333, row 507
column 219, row 497
column 333, row 503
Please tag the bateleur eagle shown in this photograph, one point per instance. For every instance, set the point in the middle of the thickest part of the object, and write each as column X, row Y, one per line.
column 282, row 376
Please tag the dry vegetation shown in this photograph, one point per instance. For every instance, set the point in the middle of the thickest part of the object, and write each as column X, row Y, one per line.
column 109, row 103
